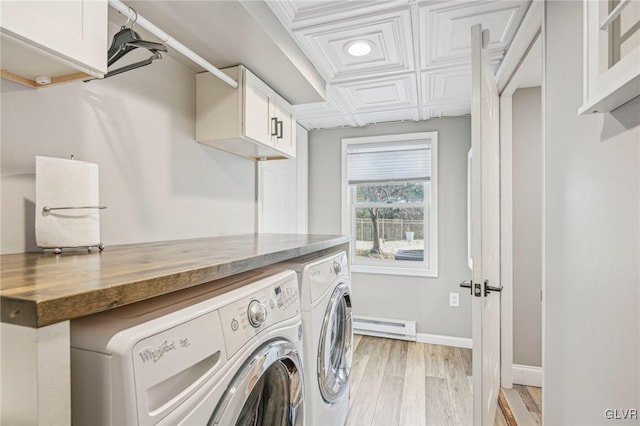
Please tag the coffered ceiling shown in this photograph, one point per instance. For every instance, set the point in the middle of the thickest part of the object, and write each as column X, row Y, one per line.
column 419, row 64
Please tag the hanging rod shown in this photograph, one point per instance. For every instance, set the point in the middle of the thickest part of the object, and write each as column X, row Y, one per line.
column 167, row 39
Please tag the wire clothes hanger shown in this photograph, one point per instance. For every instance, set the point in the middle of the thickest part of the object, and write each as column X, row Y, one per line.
column 127, row 40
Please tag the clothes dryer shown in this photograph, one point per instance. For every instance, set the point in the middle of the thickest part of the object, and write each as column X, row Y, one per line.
column 223, row 353
column 325, row 301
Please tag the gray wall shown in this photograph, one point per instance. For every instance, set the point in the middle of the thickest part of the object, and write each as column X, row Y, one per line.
column 425, row 300
column 157, row 181
column 591, row 240
column 527, row 227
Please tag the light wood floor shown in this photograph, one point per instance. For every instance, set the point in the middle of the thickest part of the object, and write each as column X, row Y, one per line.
column 395, row 382
column 532, row 398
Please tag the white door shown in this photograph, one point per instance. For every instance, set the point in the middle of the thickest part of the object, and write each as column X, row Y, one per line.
column 282, row 191
column 277, row 201
column 485, row 230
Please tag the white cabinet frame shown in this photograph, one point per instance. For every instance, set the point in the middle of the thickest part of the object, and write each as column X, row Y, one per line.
column 606, row 87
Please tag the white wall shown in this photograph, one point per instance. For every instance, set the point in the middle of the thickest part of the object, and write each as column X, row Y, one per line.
column 527, row 227
column 157, row 182
column 591, row 240
column 425, row 300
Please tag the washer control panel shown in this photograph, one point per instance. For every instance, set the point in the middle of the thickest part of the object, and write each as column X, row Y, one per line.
column 257, row 313
column 243, row 319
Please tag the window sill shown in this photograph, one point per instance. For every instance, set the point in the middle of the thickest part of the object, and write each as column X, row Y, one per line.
column 386, row 270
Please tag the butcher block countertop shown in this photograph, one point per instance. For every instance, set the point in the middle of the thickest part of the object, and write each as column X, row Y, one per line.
column 39, row 289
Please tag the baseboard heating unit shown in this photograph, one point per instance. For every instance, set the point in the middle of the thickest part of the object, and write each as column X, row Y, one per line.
column 383, row 327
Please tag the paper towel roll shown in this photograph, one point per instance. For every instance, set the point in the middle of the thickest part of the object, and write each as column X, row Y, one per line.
column 66, row 183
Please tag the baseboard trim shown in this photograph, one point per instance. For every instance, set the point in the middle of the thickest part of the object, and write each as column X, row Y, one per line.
column 436, row 339
column 505, row 407
column 527, row 375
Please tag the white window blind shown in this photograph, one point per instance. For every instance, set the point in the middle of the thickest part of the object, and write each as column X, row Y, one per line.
column 389, row 162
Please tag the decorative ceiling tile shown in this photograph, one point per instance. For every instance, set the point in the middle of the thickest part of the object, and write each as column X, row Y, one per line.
column 445, row 28
column 450, row 84
column 328, row 122
column 419, row 66
column 425, row 113
column 450, row 110
column 310, row 110
column 304, row 13
column 410, row 114
column 387, row 93
column 388, row 33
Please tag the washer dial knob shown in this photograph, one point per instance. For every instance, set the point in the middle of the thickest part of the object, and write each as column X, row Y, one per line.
column 337, row 267
column 257, row 313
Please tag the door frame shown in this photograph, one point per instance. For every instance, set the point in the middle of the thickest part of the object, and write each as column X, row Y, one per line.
column 508, row 78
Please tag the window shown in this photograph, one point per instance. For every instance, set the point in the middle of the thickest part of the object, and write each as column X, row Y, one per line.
column 390, row 203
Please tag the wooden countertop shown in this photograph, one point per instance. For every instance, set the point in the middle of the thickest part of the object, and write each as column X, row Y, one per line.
column 38, row 289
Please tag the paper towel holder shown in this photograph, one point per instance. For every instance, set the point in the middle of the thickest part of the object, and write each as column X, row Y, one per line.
column 58, row 250
column 47, row 209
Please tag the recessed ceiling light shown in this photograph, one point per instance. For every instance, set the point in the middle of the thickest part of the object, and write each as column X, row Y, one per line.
column 359, row 48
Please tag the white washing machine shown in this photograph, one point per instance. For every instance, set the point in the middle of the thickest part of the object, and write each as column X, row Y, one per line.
column 325, row 301
column 224, row 353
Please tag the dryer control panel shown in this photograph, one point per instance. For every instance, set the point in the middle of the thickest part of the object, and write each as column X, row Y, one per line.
column 323, row 275
column 246, row 317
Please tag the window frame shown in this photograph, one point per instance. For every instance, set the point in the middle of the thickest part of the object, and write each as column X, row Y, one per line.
column 430, row 208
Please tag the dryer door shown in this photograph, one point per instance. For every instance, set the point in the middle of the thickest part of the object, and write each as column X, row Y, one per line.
column 268, row 390
column 335, row 348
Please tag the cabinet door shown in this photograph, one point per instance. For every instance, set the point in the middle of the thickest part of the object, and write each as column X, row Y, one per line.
column 258, row 110
column 611, row 54
column 285, row 139
column 75, row 31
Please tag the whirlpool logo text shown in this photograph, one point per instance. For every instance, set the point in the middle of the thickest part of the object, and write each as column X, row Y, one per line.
column 154, row 354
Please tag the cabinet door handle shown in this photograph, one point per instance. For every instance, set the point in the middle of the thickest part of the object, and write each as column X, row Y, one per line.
column 274, row 126
column 280, row 129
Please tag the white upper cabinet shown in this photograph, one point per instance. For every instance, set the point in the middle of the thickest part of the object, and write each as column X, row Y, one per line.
column 611, row 54
column 285, row 127
column 259, row 110
column 53, row 38
column 252, row 121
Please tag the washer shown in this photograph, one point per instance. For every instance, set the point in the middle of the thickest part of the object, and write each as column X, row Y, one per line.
column 227, row 352
column 325, row 301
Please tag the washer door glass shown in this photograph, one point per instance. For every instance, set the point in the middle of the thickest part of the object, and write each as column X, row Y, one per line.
column 334, row 350
column 268, row 402
column 267, row 391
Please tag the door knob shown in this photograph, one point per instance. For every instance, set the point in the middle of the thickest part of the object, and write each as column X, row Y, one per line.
column 488, row 289
column 467, row 284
